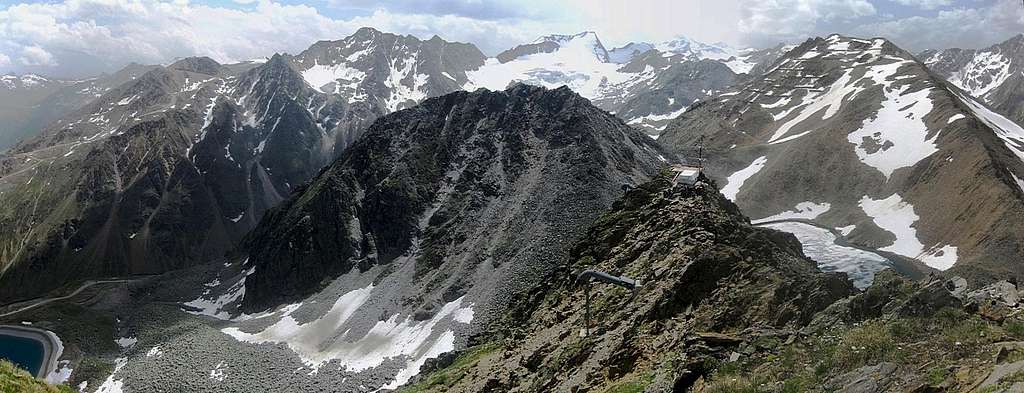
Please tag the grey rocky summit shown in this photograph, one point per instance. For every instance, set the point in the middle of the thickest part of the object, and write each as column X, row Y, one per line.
column 492, row 185
column 436, row 225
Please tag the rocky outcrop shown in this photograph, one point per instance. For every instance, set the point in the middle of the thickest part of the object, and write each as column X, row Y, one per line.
column 709, row 283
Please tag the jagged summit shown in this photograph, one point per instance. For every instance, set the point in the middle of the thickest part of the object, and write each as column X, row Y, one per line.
column 439, row 219
column 387, row 71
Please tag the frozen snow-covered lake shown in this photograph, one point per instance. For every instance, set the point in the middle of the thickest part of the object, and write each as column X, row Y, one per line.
column 820, row 245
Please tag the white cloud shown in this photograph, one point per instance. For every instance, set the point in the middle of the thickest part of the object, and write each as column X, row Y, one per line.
column 618, row 22
column 767, row 22
column 114, row 32
column 149, row 31
column 959, row 27
column 36, row 56
column 83, row 37
column 925, row 4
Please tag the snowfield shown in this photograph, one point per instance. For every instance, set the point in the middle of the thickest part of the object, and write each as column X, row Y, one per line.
column 341, row 76
column 328, row 337
column 574, row 64
column 897, row 137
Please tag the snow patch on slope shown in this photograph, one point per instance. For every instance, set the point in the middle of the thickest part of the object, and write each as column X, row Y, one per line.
column 321, row 76
column 803, row 210
column 111, row 385
column 217, row 306
column 736, row 180
column 897, row 137
column 894, row 215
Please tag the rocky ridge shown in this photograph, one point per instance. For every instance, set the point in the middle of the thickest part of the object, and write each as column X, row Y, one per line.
column 880, row 133
column 697, row 259
column 724, row 306
column 195, row 144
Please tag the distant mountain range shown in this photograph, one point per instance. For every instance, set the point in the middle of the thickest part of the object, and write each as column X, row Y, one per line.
column 994, row 75
column 134, row 157
column 349, row 217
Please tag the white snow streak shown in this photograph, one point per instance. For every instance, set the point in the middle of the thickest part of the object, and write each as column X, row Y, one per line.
column 111, row 385
column 803, row 210
column 1011, row 133
column 736, row 180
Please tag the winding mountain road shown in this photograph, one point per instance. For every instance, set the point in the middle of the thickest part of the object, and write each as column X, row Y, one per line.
column 45, row 301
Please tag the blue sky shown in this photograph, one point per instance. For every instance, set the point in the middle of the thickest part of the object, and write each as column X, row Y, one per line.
column 77, row 38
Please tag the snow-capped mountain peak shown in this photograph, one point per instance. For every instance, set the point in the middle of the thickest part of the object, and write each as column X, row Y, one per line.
column 11, row 81
column 624, row 54
column 687, row 46
column 574, row 47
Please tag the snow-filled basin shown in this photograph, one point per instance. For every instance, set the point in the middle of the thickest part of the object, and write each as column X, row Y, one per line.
column 820, row 245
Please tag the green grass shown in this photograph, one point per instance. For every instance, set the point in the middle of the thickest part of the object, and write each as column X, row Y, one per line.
column 16, row 380
column 1015, row 328
column 936, row 375
column 632, row 386
column 731, row 384
column 447, row 377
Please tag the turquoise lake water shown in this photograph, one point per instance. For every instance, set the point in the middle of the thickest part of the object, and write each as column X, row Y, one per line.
column 26, row 353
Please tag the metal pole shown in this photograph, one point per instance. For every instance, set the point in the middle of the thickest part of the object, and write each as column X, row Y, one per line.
column 700, row 152
column 586, row 313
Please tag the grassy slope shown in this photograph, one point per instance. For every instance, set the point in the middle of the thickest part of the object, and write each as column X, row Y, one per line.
column 15, row 380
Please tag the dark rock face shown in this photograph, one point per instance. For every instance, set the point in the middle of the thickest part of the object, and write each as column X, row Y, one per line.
column 199, row 65
column 526, row 50
column 707, row 278
column 862, row 131
column 163, row 172
column 483, row 191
